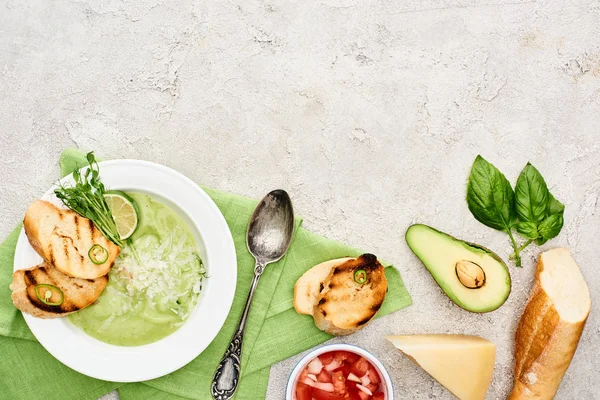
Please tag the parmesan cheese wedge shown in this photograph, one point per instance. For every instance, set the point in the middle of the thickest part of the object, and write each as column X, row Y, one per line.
column 462, row 364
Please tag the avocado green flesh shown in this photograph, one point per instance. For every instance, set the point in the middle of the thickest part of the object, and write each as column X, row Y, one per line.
column 440, row 252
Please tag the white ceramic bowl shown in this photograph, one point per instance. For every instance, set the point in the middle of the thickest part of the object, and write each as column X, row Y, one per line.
column 97, row 359
column 388, row 389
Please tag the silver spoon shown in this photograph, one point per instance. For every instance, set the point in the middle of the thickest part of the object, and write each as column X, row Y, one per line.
column 269, row 235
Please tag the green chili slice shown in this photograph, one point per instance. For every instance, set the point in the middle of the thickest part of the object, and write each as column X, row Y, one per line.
column 98, row 254
column 360, row 276
column 47, row 294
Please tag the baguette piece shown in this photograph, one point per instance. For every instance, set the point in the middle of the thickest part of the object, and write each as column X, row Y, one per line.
column 550, row 327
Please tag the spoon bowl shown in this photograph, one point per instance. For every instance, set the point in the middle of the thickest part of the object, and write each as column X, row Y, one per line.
column 271, row 227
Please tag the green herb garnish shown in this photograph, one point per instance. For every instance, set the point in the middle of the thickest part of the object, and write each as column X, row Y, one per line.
column 86, row 198
column 531, row 209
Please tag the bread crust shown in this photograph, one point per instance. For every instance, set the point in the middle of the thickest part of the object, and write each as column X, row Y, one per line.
column 344, row 306
column 78, row 293
column 544, row 345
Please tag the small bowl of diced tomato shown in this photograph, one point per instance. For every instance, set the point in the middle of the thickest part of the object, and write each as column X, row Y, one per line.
column 339, row 372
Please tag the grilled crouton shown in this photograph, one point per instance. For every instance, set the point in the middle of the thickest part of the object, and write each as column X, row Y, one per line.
column 63, row 239
column 344, row 306
column 308, row 287
column 78, row 293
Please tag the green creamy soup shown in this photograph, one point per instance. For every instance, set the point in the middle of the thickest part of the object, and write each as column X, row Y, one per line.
column 154, row 284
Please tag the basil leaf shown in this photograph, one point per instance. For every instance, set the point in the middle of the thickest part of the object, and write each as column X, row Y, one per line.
column 554, row 206
column 531, row 195
column 528, row 230
column 550, row 227
column 490, row 197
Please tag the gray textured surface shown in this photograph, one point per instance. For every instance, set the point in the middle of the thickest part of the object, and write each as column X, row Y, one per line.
column 369, row 113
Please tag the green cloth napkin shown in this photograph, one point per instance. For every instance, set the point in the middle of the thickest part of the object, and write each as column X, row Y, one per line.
column 274, row 332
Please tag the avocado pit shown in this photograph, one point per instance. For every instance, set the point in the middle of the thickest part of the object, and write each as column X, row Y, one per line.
column 470, row 274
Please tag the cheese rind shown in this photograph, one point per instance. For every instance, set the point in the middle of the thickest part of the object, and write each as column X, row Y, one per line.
column 462, row 364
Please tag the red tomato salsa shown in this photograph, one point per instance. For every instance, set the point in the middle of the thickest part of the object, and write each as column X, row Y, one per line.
column 339, row 375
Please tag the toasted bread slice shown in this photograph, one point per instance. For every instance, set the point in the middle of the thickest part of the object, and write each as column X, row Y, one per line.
column 550, row 327
column 344, row 306
column 308, row 286
column 63, row 239
column 78, row 293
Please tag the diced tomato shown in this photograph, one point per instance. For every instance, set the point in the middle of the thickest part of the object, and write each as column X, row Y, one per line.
column 303, row 375
column 345, row 369
column 378, row 396
column 353, row 393
column 363, row 395
column 303, row 391
column 339, row 382
column 323, row 395
column 353, row 396
column 346, row 356
column 352, row 358
column 327, row 357
column 373, row 375
column 324, row 377
column 360, row 368
column 372, row 387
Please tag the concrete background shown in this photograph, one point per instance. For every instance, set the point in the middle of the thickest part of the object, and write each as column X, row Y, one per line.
column 369, row 113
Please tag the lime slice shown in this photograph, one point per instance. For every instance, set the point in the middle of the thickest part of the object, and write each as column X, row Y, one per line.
column 123, row 210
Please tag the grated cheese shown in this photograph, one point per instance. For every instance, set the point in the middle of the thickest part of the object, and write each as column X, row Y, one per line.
column 167, row 275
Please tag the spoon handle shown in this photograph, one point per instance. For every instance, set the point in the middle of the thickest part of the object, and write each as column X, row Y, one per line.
column 227, row 375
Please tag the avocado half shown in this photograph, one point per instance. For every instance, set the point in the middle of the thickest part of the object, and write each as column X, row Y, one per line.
column 472, row 276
